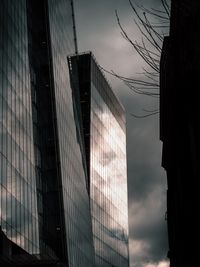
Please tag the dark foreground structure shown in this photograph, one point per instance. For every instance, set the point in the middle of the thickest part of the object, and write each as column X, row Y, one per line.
column 179, row 130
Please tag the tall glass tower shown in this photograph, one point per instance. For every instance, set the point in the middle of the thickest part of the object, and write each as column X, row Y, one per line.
column 18, row 193
column 44, row 201
column 105, row 144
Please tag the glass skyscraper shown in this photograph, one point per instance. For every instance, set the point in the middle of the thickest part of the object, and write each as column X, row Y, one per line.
column 18, row 193
column 44, row 201
column 105, row 146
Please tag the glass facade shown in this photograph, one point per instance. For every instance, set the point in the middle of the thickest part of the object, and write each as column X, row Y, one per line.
column 75, row 196
column 108, row 175
column 49, row 161
column 42, row 174
column 104, row 123
column 18, row 196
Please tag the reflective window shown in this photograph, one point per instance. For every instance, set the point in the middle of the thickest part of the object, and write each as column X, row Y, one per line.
column 76, row 199
column 105, row 144
column 18, row 215
column 108, row 174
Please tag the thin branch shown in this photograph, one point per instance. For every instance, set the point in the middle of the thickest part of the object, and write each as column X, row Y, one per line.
column 151, row 111
column 166, row 7
column 144, row 116
column 149, row 49
column 155, row 15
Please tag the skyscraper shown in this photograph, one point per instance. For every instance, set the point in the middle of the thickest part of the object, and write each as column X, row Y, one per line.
column 104, row 133
column 44, row 202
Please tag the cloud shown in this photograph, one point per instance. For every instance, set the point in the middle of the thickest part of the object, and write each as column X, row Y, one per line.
column 160, row 264
column 98, row 31
column 147, row 193
column 148, row 228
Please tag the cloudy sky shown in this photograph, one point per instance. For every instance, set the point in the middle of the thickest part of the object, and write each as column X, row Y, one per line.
column 98, row 31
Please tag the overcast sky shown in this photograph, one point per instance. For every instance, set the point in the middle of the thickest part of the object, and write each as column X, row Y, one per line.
column 98, row 31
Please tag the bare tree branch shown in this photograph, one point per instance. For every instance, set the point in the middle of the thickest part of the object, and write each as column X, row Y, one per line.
column 144, row 116
column 152, row 24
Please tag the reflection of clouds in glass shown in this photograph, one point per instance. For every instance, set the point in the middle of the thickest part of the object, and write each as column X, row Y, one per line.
column 116, row 238
column 107, row 157
column 108, row 184
column 110, row 168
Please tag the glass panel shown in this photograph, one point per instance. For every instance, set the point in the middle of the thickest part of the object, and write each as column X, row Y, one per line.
column 16, row 133
column 108, row 175
column 76, row 200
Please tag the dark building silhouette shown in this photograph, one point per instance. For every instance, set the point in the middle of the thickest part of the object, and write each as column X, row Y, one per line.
column 179, row 130
column 44, row 203
column 104, row 133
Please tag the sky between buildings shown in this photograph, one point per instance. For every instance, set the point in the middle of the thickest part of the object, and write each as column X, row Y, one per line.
column 98, row 31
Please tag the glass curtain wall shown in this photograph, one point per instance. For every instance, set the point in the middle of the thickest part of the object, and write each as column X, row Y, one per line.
column 105, row 145
column 75, row 196
column 108, row 174
column 18, row 201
